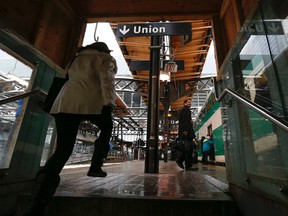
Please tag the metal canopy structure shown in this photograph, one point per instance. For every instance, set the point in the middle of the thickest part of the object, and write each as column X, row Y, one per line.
column 191, row 51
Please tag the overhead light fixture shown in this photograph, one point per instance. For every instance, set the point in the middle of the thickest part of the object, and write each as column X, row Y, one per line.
column 171, row 66
column 164, row 76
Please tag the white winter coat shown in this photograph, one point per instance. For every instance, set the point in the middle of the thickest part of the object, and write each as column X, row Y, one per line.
column 90, row 86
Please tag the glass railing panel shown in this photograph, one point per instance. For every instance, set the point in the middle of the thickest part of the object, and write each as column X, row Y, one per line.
column 266, row 155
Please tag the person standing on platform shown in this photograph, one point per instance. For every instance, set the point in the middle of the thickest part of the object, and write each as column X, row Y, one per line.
column 207, row 146
column 187, row 134
column 19, row 108
column 89, row 94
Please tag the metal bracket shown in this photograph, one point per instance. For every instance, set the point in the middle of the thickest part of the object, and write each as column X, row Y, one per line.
column 229, row 103
column 156, row 47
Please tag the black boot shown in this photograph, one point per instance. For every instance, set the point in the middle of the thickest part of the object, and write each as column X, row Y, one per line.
column 96, row 173
column 100, row 152
column 42, row 192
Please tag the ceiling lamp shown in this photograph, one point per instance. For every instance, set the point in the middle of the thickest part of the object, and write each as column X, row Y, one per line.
column 164, row 76
column 171, row 66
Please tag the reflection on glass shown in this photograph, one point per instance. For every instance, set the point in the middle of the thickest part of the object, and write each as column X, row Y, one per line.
column 268, row 141
column 46, row 149
column 260, row 69
column 14, row 78
column 263, row 62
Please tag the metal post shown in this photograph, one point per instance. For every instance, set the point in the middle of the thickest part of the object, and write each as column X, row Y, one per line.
column 152, row 159
column 166, row 126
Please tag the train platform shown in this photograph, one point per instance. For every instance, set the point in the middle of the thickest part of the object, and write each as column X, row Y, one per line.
column 127, row 190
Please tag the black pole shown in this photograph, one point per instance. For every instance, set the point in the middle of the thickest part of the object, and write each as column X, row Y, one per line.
column 152, row 159
column 166, row 125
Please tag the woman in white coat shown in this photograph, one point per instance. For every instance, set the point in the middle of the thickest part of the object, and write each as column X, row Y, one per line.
column 89, row 94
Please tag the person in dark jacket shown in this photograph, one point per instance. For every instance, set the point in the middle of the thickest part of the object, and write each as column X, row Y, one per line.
column 186, row 133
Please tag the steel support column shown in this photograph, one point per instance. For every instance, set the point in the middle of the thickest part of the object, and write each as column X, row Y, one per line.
column 166, row 121
column 152, row 159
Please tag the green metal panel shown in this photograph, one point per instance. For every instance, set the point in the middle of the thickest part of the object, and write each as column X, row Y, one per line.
column 217, row 132
column 26, row 157
column 210, row 113
column 31, row 137
column 218, row 141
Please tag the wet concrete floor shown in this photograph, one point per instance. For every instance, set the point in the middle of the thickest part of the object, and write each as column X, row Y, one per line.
column 127, row 179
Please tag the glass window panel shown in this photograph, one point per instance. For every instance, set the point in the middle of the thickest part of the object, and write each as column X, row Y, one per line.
column 14, row 80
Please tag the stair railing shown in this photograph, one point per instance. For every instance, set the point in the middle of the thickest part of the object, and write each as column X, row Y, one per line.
column 36, row 91
column 262, row 111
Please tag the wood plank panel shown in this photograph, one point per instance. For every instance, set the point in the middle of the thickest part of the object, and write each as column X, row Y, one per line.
column 151, row 10
column 20, row 18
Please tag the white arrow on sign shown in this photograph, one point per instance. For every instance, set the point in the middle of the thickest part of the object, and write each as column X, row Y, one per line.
column 124, row 30
column 273, row 28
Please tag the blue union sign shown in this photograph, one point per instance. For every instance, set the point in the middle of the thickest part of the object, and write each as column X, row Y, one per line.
column 153, row 29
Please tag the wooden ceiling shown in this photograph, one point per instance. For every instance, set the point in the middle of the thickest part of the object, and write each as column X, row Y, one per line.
column 193, row 53
column 144, row 10
column 63, row 23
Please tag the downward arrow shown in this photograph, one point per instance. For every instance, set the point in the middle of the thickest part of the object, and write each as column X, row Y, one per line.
column 273, row 27
column 124, row 30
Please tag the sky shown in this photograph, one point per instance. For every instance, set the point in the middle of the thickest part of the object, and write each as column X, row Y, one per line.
column 105, row 34
column 10, row 65
column 209, row 68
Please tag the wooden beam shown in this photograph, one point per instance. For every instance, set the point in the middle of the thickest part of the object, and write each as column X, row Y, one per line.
column 145, row 10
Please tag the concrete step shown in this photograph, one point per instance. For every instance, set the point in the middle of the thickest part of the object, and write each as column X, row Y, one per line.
column 134, row 206
column 128, row 191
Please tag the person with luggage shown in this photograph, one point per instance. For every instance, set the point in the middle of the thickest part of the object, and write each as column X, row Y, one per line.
column 187, row 135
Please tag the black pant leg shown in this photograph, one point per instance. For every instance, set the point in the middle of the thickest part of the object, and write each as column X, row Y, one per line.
column 188, row 158
column 205, row 157
column 67, row 128
column 102, row 146
column 180, row 157
column 188, row 153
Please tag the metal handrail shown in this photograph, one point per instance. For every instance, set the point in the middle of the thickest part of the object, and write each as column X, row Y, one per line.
column 272, row 117
column 23, row 95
